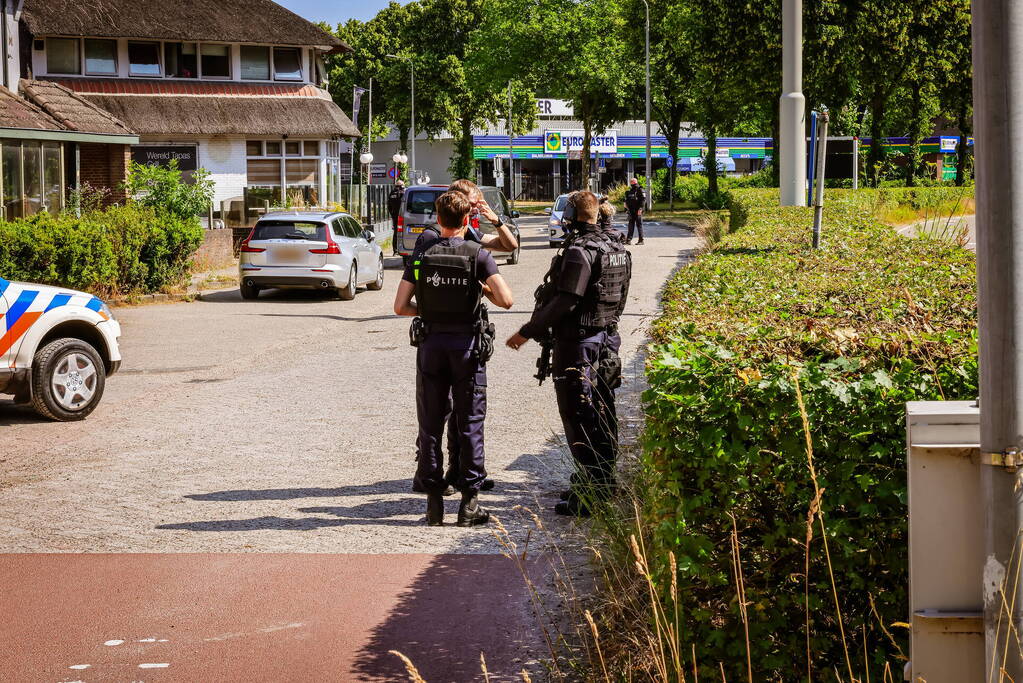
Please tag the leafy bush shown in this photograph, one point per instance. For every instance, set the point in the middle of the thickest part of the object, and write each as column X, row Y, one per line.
column 119, row 250
column 162, row 189
column 868, row 323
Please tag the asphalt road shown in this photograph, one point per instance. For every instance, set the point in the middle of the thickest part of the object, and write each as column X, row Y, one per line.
column 284, row 425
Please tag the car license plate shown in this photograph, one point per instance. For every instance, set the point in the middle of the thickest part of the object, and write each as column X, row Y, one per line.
column 416, row 229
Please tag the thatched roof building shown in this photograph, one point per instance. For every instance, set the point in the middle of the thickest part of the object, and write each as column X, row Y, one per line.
column 17, row 112
column 243, row 21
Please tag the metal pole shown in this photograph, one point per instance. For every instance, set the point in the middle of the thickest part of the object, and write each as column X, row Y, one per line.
column 792, row 131
column 855, row 163
column 811, row 158
column 818, row 203
column 369, row 135
column 412, row 68
column 511, row 151
column 649, row 167
column 998, row 116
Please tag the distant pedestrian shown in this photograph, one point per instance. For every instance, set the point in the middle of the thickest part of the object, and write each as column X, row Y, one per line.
column 635, row 200
column 394, row 208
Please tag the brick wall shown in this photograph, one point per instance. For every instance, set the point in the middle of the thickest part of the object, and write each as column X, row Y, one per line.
column 106, row 166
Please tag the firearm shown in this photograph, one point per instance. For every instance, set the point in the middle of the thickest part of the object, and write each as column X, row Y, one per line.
column 543, row 363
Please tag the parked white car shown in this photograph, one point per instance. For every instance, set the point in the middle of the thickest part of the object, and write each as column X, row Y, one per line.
column 329, row 251
column 57, row 347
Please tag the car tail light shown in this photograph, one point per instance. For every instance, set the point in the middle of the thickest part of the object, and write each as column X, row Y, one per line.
column 245, row 244
column 401, row 224
column 332, row 247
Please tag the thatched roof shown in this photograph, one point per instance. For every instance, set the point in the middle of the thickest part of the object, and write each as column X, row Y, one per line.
column 240, row 21
column 73, row 111
column 17, row 112
column 228, row 115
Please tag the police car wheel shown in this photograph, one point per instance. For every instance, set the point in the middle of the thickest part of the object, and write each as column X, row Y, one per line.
column 514, row 258
column 378, row 283
column 68, row 378
column 348, row 293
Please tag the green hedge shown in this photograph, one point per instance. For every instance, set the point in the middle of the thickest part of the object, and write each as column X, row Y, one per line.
column 119, row 250
column 872, row 321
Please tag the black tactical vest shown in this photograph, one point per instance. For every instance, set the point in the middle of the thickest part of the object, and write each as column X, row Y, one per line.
column 447, row 287
column 610, row 274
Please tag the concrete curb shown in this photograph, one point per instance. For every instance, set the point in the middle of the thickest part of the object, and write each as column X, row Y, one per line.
column 160, row 298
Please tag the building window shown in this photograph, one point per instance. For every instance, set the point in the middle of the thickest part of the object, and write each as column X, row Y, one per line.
column 312, row 148
column 101, row 57
column 254, row 148
column 216, row 61
column 62, row 56
column 33, row 172
column 13, row 205
column 273, row 148
column 287, row 64
column 53, row 177
column 144, row 59
column 255, row 63
column 293, row 148
column 181, row 60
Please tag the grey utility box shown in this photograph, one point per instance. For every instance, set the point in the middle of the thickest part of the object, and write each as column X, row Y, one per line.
column 946, row 542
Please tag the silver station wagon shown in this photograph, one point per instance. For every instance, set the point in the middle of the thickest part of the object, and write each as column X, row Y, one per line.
column 328, row 251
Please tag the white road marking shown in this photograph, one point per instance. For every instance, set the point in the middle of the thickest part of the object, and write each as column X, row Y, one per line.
column 111, row 643
column 80, row 666
column 154, row 666
column 147, row 640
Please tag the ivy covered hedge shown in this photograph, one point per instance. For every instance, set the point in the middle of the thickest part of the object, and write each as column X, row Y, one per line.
column 119, row 250
column 872, row 321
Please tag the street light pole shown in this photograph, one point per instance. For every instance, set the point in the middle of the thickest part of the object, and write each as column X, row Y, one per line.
column 649, row 169
column 998, row 115
column 792, row 130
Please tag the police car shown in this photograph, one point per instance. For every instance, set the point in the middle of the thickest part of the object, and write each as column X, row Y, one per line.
column 57, row 347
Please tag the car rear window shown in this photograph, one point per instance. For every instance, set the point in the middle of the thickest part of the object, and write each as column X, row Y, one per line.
column 290, row 230
column 421, row 201
column 559, row 203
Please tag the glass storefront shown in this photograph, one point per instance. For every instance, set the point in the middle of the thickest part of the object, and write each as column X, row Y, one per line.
column 32, row 175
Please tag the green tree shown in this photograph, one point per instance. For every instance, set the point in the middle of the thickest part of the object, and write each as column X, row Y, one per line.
column 163, row 189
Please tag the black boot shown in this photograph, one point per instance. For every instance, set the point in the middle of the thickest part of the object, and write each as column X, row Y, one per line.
column 435, row 509
column 418, row 488
column 470, row 513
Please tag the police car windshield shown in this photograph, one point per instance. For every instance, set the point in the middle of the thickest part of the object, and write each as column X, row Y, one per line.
column 559, row 203
column 290, row 230
column 421, row 201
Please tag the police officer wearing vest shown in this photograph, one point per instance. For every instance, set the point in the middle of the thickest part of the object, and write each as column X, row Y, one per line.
column 449, row 277
column 503, row 239
column 579, row 306
column 635, row 200
column 394, row 208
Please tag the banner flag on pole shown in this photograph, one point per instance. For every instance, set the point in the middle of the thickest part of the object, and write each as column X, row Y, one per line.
column 356, row 102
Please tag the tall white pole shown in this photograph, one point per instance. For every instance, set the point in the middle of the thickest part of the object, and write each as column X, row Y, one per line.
column 369, row 135
column 792, row 130
column 412, row 68
column 998, row 117
column 649, row 168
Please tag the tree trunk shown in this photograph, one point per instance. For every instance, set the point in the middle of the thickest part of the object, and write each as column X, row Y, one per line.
column 962, row 152
column 775, row 132
column 462, row 163
column 710, row 164
column 876, row 155
column 916, row 134
column 403, row 131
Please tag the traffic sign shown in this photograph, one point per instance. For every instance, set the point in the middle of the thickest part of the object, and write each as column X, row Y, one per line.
column 669, row 162
column 393, row 172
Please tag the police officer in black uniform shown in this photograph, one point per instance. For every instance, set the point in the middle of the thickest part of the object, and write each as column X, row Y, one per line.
column 580, row 305
column 502, row 240
column 635, row 200
column 449, row 277
column 394, row 208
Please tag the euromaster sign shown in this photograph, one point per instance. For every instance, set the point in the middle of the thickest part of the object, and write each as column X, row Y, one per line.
column 563, row 141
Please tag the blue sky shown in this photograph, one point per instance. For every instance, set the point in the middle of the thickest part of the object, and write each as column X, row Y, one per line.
column 335, row 11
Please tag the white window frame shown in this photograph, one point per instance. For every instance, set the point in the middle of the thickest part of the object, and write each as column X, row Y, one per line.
column 270, row 63
column 117, row 62
column 230, row 63
column 81, row 55
column 159, row 58
column 198, row 59
column 273, row 64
